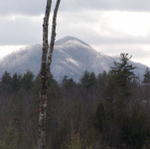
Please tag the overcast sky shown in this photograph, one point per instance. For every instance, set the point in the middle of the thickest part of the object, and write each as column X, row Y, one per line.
column 110, row 26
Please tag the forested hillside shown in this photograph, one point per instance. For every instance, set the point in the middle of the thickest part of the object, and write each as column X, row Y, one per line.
column 105, row 111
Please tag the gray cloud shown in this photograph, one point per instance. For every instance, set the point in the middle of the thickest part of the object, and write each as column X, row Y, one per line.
column 131, row 5
column 28, row 7
column 34, row 7
column 28, row 30
column 136, row 51
column 20, row 31
column 122, row 39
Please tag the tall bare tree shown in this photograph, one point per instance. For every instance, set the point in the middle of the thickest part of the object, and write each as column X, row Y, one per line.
column 44, row 79
column 45, row 68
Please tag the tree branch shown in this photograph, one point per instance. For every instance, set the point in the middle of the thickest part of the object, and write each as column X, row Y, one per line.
column 53, row 35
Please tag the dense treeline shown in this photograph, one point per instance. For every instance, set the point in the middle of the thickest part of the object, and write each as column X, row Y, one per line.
column 105, row 111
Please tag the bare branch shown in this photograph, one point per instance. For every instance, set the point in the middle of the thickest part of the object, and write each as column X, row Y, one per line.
column 53, row 35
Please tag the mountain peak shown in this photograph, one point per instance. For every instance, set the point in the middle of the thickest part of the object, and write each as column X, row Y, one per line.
column 70, row 39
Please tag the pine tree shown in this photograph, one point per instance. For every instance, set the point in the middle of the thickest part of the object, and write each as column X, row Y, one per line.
column 122, row 74
column 146, row 76
column 27, row 80
column 88, row 80
column 6, row 82
column 68, row 83
column 15, row 84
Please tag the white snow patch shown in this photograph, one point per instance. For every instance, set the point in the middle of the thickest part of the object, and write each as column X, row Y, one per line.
column 72, row 61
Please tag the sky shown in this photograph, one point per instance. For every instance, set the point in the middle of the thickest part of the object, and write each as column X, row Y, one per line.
column 110, row 26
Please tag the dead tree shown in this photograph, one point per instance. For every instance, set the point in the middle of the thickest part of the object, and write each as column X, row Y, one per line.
column 44, row 80
column 45, row 71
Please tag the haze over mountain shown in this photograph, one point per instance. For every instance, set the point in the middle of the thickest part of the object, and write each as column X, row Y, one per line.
column 72, row 57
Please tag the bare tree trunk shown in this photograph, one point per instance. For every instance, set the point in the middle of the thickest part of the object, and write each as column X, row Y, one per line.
column 53, row 34
column 44, row 79
column 45, row 70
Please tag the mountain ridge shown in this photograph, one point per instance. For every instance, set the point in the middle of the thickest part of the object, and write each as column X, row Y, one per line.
column 72, row 57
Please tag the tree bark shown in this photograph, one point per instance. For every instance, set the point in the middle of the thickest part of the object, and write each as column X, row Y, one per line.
column 44, row 79
column 53, row 35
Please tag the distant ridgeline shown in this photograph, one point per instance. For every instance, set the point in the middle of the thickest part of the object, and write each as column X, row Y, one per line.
column 72, row 57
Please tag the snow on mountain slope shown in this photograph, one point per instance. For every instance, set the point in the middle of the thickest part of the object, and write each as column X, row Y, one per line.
column 72, row 57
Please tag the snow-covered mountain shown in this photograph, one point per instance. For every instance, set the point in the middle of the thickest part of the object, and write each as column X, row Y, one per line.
column 72, row 57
